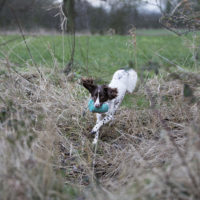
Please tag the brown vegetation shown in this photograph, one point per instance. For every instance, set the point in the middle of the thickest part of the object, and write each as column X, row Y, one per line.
column 46, row 150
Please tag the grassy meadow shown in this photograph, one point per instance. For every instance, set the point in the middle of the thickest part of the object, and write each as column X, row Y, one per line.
column 100, row 54
column 151, row 149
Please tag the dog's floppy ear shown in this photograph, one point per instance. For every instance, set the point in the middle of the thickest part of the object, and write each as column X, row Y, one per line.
column 110, row 92
column 88, row 83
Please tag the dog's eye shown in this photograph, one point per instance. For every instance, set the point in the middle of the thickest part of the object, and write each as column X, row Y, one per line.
column 95, row 97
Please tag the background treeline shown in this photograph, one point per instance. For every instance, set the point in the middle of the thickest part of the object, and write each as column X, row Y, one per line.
column 44, row 14
column 120, row 19
column 32, row 14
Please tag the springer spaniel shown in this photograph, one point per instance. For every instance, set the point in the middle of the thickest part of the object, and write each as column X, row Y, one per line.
column 113, row 94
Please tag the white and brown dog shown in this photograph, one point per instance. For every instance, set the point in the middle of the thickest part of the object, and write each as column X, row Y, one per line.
column 113, row 94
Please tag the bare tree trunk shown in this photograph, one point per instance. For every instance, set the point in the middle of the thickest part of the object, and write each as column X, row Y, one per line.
column 69, row 10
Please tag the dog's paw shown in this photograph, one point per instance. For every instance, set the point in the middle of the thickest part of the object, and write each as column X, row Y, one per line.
column 93, row 132
column 95, row 141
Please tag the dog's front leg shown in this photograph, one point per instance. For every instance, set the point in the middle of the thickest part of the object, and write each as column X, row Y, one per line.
column 96, row 138
column 105, row 120
column 99, row 118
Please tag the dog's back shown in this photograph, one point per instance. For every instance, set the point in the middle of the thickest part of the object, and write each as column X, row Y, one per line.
column 124, row 80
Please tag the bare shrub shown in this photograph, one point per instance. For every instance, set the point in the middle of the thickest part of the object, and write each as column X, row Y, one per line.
column 183, row 14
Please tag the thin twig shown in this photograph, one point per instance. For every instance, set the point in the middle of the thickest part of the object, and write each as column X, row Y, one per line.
column 170, row 62
column 2, row 100
column 63, row 25
column 24, row 39
column 87, row 58
column 73, row 48
column 177, row 6
column 95, row 143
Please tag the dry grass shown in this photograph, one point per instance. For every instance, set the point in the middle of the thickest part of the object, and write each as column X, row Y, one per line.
column 46, row 149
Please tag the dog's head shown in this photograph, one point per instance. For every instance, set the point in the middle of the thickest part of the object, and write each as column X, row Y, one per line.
column 99, row 93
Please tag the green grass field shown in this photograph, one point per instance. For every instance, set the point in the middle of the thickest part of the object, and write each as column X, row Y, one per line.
column 100, row 55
